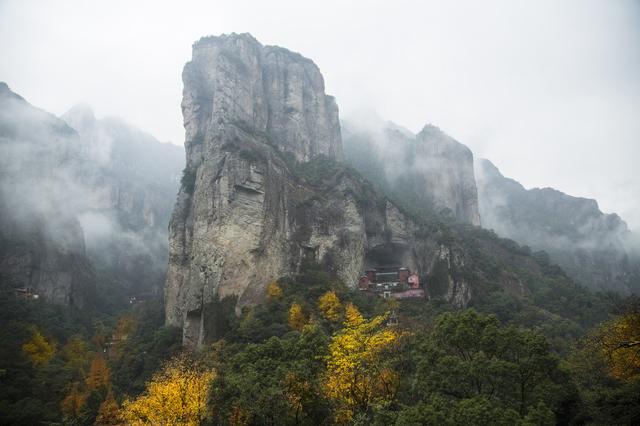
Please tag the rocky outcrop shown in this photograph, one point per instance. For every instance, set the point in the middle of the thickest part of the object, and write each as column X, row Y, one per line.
column 256, row 119
column 589, row 245
column 444, row 168
column 430, row 170
column 261, row 89
column 242, row 219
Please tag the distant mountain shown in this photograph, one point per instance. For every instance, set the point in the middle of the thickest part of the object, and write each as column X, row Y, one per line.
column 591, row 246
column 428, row 171
column 432, row 174
column 42, row 244
column 83, row 202
column 133, row 186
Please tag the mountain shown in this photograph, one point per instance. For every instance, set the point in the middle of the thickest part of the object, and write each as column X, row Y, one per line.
column 84, row 204
column 432, row 174
column 42, row 244
column 591, row 246
column 429, row 171
column 264, row 195
column 133, row 184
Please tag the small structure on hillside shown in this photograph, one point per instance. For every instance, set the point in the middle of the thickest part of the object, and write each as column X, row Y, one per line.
column 26, row 293
column 138, row 299
column 396, row 282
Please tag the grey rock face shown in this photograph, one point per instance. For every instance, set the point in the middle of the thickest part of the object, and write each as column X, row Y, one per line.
column 445, row 168
column 589, row 245
column 430, row 170
column 243, row 217
column 262, row 89
column 239, row 222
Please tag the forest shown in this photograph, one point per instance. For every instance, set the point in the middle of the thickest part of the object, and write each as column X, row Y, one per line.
column 319, row 353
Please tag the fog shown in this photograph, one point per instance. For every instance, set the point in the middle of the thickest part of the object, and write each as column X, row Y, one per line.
column 86, row 190
column 549, row 91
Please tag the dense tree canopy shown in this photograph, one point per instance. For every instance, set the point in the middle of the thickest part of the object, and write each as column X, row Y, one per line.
column 318, row 353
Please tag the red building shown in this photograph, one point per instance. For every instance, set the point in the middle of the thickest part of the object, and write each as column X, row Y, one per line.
column 396, row 282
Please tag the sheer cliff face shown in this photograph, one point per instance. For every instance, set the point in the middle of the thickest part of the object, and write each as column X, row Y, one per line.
column 444, row 167
column 430, row 170
column 589, row 245
column 239, row 221
column 236, row 80
column 252, row 115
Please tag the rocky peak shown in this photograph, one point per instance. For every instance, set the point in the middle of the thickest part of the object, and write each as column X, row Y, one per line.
column 431, row 169
column 5, row 91
column 447, row 170
column 262, row 193
column 260, row 89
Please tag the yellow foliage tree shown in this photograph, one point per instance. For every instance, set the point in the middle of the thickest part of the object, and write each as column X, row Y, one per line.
column 330, row 306
column 98, row 374
column 73, row 402
column 38, row 349
column 109, row 412
column 175, row 395
column 274, row 291
column 357, row 374
column 620, row 344
column 297, row 319
column 352, row 317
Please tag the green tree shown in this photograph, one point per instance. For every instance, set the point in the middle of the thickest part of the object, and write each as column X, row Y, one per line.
column 468, row 355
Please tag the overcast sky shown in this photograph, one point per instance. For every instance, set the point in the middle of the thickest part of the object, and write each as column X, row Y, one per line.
column 548, row 90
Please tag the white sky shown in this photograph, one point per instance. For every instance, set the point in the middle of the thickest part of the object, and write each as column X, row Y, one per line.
column 547, row 90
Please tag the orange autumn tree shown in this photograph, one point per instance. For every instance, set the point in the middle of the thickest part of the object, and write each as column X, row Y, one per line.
column 99, row 374
column 330, row 306
column 73, row 403
column 175, row 395
column 358, row 374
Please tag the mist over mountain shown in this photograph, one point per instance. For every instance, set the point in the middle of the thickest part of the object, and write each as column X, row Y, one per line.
column 265, row 193
column 289, row 267
column 42, row 241
column 596, row 249
column 430, row 171
column 82, row 206
column 131, row 197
